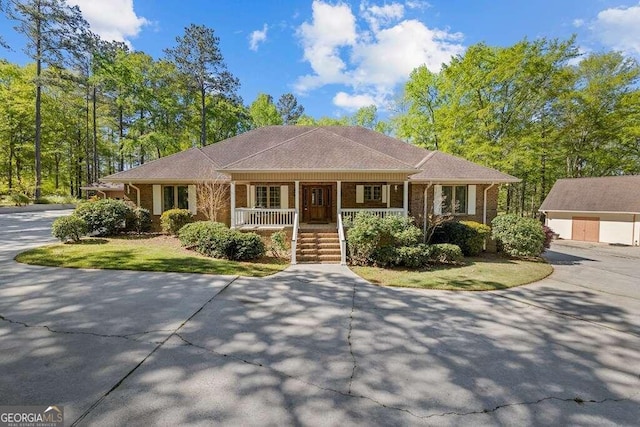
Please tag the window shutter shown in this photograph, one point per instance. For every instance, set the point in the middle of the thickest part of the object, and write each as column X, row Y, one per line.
column 471, row 199
column 157, row 200
column 359, row 193
column 437, row 199
column 193, row 204
column 384, row 194
column 252, row 196
column 284, row 197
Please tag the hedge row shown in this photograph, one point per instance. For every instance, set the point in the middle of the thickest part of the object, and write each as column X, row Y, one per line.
column 215, row 240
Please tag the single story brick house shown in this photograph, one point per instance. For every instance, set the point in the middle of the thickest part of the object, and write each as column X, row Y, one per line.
column 604, row 209
column 297, row 176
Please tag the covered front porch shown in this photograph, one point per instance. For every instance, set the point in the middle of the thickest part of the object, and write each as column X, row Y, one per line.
column 264, row 205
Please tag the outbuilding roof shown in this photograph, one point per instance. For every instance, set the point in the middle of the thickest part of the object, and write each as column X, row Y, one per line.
column 603, row 194
column 310, row 148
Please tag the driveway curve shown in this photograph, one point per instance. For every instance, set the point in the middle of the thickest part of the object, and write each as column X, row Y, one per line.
column 316, row 345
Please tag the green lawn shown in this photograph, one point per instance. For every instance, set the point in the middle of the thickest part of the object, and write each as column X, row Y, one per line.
column 159, row 253
column 479, row 274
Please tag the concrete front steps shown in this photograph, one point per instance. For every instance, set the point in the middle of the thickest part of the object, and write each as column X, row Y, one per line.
column 318, row 246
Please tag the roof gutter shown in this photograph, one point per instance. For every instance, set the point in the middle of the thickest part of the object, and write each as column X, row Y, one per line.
column 137, row 195
column 484, row 204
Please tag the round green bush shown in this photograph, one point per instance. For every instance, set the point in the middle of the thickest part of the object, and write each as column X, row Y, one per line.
column 139, row 220
column 192, row 233
column 104, row 217
column 445, row 253
column 173, row 220
column 414, row 256
column 519, row 237
column 470, row 236
column 231, row 244
column 373, row 240
column 68, row 228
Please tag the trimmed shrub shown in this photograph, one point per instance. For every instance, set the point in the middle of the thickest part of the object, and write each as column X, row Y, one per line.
column 373, row 240
column 69, row 227
column 444, row 253
column 518, row 237
column 105, row 217
column 192, row 233
column 139, row 220
column 470, row 236
column 42, row 201
column 231, row 244
column 478, row 234
column 173, row 220
column 413, row 256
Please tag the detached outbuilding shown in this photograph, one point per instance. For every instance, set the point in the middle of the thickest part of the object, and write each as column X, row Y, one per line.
column 605, row 209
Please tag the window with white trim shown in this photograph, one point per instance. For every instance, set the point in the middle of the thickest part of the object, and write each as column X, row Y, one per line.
column 267, row 197
column 454, row 199
column 373, row 193
column 175, row 197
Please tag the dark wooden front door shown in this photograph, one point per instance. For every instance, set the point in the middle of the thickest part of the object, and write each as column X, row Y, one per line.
column 316, row 200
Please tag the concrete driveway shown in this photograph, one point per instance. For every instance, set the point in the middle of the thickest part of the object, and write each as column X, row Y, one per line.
column 316, row 345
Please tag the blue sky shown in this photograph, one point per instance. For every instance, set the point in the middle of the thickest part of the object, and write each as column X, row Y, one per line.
column 338, row 56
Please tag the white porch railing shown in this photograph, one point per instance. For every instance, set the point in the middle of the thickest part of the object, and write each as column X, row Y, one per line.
column 349, row 214
column 343, row 242
column 264, row 217
column 294, row 239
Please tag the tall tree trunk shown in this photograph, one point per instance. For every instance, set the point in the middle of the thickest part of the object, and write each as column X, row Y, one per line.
column 87, row 141
column 11, row 154
column 203, row 117
column 121, row 135
column 38, row 101
column 57, row 159
column 96, row 171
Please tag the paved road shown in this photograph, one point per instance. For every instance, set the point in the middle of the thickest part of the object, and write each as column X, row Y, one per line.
column 316, row 345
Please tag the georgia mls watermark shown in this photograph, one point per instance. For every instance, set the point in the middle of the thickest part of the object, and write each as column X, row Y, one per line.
column 31, row 416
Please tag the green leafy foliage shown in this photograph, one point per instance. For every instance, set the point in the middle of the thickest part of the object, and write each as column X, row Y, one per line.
column 470, row 236
column 518, row 237
column 373, row 240
column 69, row 227
column 190, row 234
column 20, row 199
column 216, row 240
column 445, row 253
column 104, row 217
column 173, row 220
column 279, row 243
column 139, row 220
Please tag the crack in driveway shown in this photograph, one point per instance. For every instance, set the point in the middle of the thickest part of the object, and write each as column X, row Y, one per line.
column 95, row 334
column 156, row 348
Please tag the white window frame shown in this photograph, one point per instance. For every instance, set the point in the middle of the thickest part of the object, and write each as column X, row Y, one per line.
column 269, row 188
column 449, row 207
column 370, row 191
column 175, row 197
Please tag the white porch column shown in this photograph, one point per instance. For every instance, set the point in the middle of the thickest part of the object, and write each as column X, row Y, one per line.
column 405, row 198
column 297, row 196
column 339, row 197
column 233, row 204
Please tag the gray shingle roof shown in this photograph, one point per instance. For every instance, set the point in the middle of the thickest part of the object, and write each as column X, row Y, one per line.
column 310, row 148
column 442, row 167
column 604, row 194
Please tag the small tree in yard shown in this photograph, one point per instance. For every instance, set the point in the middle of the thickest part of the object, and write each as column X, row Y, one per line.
column 435, row 221
column 212, row 196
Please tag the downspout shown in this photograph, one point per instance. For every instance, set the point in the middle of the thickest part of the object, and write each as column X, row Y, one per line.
column 137, row 193
column 484, row 207
column 104, row 195
column 424, row 215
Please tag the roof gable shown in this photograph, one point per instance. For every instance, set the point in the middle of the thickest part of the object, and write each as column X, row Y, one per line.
column 319, row 149
column 604, row 194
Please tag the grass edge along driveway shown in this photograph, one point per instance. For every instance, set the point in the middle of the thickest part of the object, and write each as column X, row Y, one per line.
column 158, row 254
column 485, row 273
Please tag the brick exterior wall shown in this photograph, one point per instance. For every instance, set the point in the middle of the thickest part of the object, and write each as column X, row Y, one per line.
column 349, row 196
column 416, row 203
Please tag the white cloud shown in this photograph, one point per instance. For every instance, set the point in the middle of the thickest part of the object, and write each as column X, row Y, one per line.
column 257, row 37
column 353, row 102
column 374, row 60
column 619, row 28
column 111, row 20
column 377, row 16
column 417, row 4
column 578, row 23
